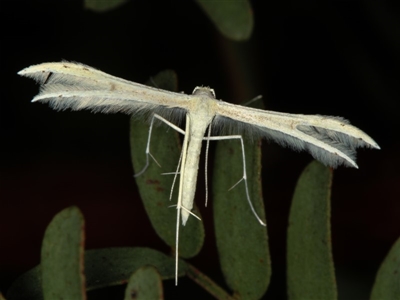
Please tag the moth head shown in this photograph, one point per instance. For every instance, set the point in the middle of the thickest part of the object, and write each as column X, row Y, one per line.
column 204, row 90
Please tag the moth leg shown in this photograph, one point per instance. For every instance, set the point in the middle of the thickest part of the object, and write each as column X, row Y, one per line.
column 175, row 176
column 206, row 162
column 148, row 153
column 244, row 177
column 176, row 173
column 177, row 243
column 190, row 212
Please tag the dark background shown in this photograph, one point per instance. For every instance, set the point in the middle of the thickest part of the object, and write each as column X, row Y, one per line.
column 333, row 58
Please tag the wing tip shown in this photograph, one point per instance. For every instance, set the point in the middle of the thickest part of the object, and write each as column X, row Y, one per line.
column 376, row 146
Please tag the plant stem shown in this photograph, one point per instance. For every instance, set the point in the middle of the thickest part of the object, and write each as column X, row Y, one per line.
column 206, row 283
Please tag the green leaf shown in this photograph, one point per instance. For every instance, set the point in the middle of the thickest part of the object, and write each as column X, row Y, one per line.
column 144, row 284
column 241, row 240
column 310, row 269
column 233, row 18
column 155, row 188
column 27, row 286
column 103, row 5
column 103, row 267
column 387, row 282
column 62, row 256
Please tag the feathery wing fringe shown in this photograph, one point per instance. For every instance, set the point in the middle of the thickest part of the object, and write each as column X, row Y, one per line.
column 76, row 86
column 331, row 140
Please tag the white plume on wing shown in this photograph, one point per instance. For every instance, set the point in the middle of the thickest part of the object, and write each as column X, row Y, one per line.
column 331, row 140
column 75, row 86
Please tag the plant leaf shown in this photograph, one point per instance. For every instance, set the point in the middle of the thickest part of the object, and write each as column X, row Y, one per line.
column 241, row 241
column 387, row 282
column 310, row 269
column 62, row 256
column 144, row 284
column 103, row 267
column 233, row 18
column 27, row 286
column 103, row 5
column 155, row 188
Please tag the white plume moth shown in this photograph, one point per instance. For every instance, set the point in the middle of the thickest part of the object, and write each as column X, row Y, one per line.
column 331, row 140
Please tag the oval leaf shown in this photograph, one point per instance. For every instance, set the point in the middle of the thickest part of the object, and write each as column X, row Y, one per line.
column 155, row 188
column 233, row 18
column 62, row 256
column 103, row 5
column 144, row 284
column 27, row 286
column 103, row 267
column 241, row 240
column 387, row 282
column 310, row 269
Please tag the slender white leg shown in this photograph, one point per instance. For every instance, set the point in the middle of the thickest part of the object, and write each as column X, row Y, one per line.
column 206, row 165
column 175, row 176
column 148, row 153
column 244, row 177
column 189, row 212
column 177, row 244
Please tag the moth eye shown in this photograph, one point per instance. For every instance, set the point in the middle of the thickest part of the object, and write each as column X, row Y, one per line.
column 213, row 93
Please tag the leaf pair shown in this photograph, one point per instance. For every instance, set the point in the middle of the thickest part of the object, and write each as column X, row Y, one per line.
column 67, row 271
column 310, row 268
